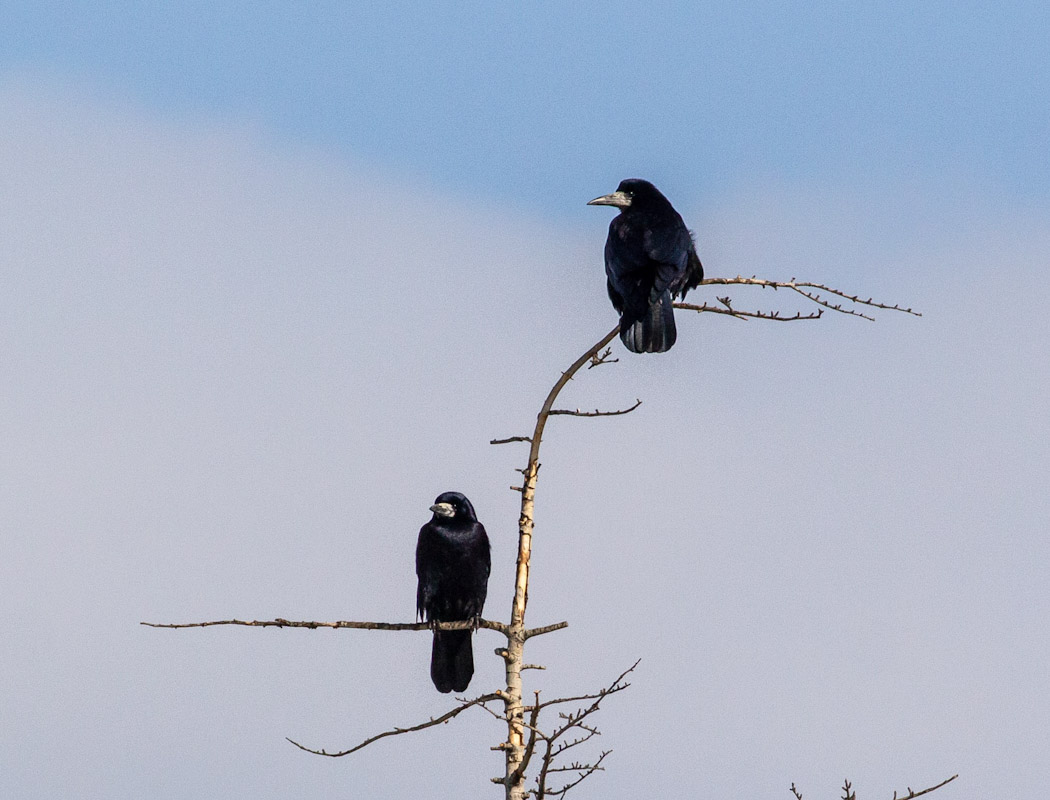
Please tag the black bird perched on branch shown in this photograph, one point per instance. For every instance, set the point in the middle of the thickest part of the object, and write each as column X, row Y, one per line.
column 452, row 564
column 650, row 259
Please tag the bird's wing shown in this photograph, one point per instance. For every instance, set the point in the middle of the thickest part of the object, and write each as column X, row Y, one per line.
column 668, row 248
column 480, row 565
column 615, row 296
column 694, row 272
column 426, row 566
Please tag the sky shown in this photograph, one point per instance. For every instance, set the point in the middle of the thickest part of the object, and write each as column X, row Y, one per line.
column 273, row 277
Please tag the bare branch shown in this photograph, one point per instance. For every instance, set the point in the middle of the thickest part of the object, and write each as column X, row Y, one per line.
column 596, row 412
column 912, row 794
column 591, row 733
column 510, row 439
column 848, row 792
column 557, row 626
column 603, row 357
column 586, row 770
column 802, row 287
column 461, row 625
column 617, row 685
column 463, row 706
column 775, row 316
column 573, row 720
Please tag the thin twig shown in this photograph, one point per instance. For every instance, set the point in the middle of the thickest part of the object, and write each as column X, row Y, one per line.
column 849, row 792
column 595, row 413
column 573, row 767
column 745, row 315
column 586, row 770
column 616, row 686
column 485, row 698
column 603, row 357
column 801, row 288
column 912, row 794
column 510, row 439
column 591, row 733
column 573, row 720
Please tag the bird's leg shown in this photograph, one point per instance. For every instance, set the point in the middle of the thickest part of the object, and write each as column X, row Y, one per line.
column 475, row 623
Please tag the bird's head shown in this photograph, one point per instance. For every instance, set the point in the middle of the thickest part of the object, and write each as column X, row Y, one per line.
column 633, row 193
column 453, row 504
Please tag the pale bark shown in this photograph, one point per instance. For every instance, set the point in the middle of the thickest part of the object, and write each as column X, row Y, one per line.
column 514, row 779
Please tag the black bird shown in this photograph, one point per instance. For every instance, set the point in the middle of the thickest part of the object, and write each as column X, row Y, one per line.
column 452, row 564
column 650, row 259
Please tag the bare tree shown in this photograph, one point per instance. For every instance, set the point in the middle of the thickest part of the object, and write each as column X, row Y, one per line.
column 532, row 739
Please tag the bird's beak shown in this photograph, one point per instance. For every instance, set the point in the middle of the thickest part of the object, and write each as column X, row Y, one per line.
column 444, row 510
column 618, row 199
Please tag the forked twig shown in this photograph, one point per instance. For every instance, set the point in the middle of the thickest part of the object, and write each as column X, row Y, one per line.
column 553, row 748
column 803, row 287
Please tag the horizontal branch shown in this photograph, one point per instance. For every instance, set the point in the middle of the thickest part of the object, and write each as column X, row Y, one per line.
column 461, row 625
column 557, row 626
column 510, row 439
column 485, row 698
column 595, row 413
column 803, row 287
column 574, row 767
column 732, row 312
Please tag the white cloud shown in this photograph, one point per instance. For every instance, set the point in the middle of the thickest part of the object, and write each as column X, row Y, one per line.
column 236, row 374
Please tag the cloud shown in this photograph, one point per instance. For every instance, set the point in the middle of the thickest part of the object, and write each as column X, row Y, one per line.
column 237, row 372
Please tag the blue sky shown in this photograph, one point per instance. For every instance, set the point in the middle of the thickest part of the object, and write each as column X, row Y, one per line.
column 536, row 106
column 272, row 279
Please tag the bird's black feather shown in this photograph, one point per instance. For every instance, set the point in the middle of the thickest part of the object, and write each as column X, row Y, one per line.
column 452, row 563
column 650, row 259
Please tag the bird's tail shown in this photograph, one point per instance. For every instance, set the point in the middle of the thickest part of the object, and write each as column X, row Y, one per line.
column 451, row 661
column 655, row 331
